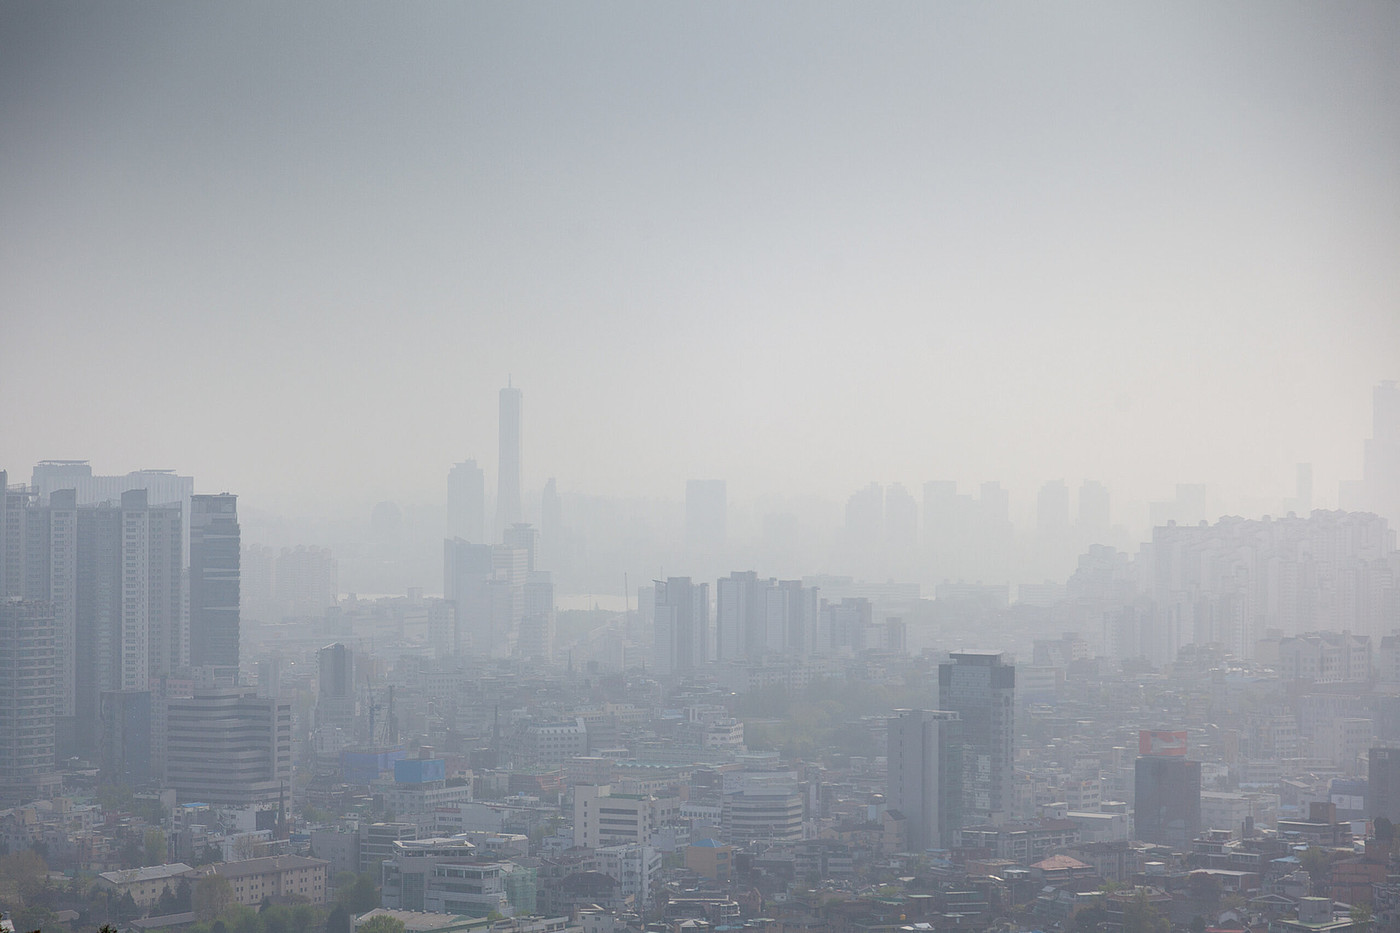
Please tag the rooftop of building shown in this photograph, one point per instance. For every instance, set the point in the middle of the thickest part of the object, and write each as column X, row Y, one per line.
column 257, row 866
column 149, row 873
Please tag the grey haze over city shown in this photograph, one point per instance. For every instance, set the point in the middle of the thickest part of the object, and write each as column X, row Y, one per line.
column 669, row 468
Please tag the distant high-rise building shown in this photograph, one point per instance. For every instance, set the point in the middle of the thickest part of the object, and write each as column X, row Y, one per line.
column 525, row 537
column 844, row 624
column 1378, row 490
column 967, row 538
column 28, row 701
column 1093, row 511
column 1383, row 786
column 126, row 746
column 790, row 618
column 925, row 775
column 305, row 581
column 682, row 618
column 1166, row 791
column 508, row 501
column 214, row 581
column 162, row 487
column 229, row 747
column 467, row 575
column 466, row 502
column 901, row 520
column 706, row 516
column 1052, row 509
column 865, row 518
column 537, row 626
column 740, row 614
column 551, row 527
column 980, row 686
column 335, row 696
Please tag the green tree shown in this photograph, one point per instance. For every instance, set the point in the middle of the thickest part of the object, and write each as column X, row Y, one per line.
column 338, row 920
column 359, row 897
column 1139, row 916
column 1361, row 918
column 212, row 897
column 1088, row 919
column 184, row 896
column 276, row 918
column 244, row 920
column 382, row 924
column 1317, row 862
column 167, row 904
column 155, row 846
column 23, row 879
column 126, row 907
column 1385, row 830
column 305, row 918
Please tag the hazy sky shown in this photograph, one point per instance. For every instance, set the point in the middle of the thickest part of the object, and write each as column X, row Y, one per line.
column 294, row 249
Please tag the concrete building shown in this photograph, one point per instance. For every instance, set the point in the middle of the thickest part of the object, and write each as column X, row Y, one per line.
column 126, row 747
column 925, row 776
column 444, row 875
column 145, row 885
column 227, row 745
column 1167, row 799
column 1383, row 789
column 980, row 686
column 602, row 818
column 740, row 611
column 636, row 868
column 1325, row 658
column 681, row 610
column 335, row 682
column 276, row 877
column 28, row 699
column 214, row 582
column 710, row 858
column 466, row 502
column 762, row 814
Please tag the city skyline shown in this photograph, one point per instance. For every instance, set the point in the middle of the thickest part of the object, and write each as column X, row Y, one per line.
column 959, row 491
column 1060, row 259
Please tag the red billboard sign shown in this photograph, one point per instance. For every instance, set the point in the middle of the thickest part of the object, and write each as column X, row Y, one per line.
column 1161, row 743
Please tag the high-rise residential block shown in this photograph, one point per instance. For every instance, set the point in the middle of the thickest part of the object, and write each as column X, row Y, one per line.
column 980, row 686
column 682, row 624
column 28, row 698
column 925, row 775
column 214, row 581
column 740, row 608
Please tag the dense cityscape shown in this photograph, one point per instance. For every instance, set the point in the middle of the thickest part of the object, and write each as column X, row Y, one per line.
column 201, row 733
column 710, row 466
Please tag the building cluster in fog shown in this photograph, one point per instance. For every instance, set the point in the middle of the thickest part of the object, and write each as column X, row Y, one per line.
column 1218, row 708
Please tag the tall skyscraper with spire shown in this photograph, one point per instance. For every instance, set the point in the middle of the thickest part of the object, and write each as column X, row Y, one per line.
column 508, row 508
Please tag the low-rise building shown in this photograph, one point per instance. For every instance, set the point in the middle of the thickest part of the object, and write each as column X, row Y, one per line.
column 145, row 885
column 256, row 879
